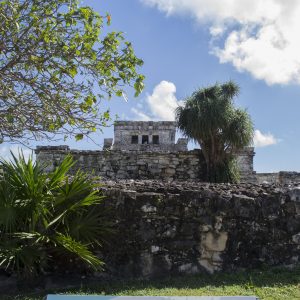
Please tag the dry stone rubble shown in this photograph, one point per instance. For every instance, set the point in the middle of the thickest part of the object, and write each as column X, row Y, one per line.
column 192, row 227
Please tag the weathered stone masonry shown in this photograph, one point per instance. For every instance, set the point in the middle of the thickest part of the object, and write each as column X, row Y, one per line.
column 177, row 227
column 146, row 136
column 118, row 164
column 282, row 177
column 143, row 150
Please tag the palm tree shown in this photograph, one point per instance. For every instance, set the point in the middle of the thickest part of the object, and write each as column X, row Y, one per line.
column 47, row 219
column 210, row 118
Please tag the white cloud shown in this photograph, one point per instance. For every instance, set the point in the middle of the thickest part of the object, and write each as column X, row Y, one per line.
column 161, row 103
column 216, row 30
column 261, row 36
column 5, row 152
column 140, row 115
column 262, row 140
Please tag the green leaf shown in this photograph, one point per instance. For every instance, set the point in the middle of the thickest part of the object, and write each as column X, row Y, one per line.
column 106, row 115
column 86, row 12
column 10, row 118
column 73, row 71
column 79, row 136
column 89, row 100
column 119, row 93
column 46, row 38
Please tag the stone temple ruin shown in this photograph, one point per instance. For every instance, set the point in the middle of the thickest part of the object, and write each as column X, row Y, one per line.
column 143, row 150
column 169, row 222
column 145, row 136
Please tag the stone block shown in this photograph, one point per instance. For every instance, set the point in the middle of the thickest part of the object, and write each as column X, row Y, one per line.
column 294, row 194
column 148, row 208
column 296, row 238
column 244, row 206
column 214, row 241
column 188, row 268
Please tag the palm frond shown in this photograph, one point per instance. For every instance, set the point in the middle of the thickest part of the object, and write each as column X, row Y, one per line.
column 24, row 259
column 90, row 226
column 79, row 249
column 34, row 206
column 59, row 175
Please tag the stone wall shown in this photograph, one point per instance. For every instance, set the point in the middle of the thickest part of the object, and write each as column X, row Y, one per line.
column 177, row 165
column 270, row 178
column 244, row 160
column 288, row 177
column 281, row 178
column 168, row 228
column 128, row 164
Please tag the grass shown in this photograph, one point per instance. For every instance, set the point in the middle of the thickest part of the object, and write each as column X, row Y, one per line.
column 268, row 284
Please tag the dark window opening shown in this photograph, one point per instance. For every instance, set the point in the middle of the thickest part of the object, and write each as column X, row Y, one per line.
column 145, row 139
column 155, row 139
column 134, row 139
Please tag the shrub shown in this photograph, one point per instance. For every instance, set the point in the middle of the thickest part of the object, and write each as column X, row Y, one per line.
column 47, row 217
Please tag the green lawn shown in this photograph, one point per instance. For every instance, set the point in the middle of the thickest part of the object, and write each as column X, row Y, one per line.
column 271, row 284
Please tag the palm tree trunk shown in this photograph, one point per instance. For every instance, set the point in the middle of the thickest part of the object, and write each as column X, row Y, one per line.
column 206, row 158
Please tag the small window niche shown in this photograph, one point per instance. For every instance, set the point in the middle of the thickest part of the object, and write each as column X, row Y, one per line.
column 155, row 139
column 134, row 139
column 145, row 139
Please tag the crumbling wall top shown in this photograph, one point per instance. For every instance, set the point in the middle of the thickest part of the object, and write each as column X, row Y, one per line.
column 156, row 125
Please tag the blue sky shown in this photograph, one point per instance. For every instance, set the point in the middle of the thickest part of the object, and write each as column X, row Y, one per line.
column 190, row 44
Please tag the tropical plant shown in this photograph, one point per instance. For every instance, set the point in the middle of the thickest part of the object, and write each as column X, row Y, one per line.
column 45, row 218
column 210, row 118
column 58, row 60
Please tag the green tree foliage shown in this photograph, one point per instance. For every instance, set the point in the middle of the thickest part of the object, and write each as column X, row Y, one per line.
column 210, row 118
column 53, row 58
column 45, row 218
